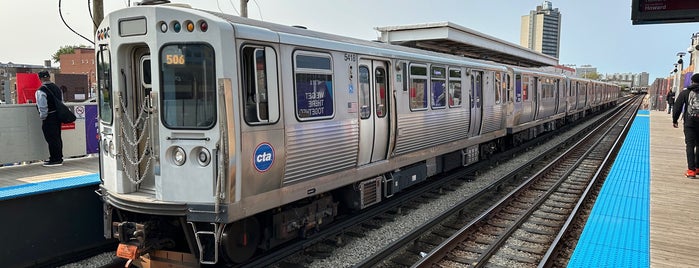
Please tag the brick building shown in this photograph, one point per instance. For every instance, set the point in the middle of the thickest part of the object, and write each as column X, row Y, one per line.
column 76, row 89
column 82, row 61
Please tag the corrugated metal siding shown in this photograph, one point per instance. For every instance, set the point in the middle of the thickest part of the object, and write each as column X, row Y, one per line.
column 493, row 119
column 421, row 130
column 318, row 149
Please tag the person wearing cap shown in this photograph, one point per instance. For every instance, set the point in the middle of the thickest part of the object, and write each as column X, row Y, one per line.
column 687, row 103
column 50, row 125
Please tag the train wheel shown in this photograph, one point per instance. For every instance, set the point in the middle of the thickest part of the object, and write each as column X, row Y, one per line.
column 240, row 239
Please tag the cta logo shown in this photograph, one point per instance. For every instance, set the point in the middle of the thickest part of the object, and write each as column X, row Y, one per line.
column 264, row 157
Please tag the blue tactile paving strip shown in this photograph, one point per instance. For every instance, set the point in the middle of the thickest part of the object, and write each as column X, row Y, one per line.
column 48, row 186
column 617, row 233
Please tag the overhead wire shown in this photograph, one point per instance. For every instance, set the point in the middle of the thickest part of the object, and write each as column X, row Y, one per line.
column 259, row 9
column 60, row 12
column 236, row 10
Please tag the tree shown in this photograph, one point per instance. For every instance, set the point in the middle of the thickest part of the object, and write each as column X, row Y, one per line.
column 591, row 75
column 67, row 49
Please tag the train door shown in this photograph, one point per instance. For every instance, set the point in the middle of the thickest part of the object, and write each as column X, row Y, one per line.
column 137, row 123
column 518, row 113
column 373, row 111
column 557, row 96
column 476, row 101
column 536, row 94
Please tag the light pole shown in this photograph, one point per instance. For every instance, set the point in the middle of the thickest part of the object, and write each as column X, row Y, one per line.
column 680, row 62
column 694, row 52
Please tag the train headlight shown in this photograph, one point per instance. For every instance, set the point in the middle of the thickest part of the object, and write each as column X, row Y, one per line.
column 112, row 152
column 163, row 26
column 203, row 156
column 105, row 146
column 179, row 156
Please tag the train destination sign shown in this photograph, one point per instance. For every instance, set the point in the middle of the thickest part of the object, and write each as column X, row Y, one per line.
column 664, row 11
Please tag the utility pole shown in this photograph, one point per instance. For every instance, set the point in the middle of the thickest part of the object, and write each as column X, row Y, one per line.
column 244, row 8
column 98, row 14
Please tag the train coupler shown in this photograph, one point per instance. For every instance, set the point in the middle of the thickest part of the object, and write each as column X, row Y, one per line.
column 131, row 238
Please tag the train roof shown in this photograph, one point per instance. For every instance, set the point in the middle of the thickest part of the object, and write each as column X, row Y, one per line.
column 241, row 22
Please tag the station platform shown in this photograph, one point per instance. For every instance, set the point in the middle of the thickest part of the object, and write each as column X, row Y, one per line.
column 647, row 213
column 33, row 178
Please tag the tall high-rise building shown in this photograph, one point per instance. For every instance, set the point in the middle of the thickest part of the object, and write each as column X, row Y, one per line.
column 541, row 30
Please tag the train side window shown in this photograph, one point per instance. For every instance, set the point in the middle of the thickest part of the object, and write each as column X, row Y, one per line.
column 498, row 87
column 525, row 88
column 508, row 87
column 314, row 86
column 259, row 85
column 364, row 92
column 418, row 87
column 438, row 97
column 454, row 87
column 104, row 84
column 381, row 85
column 476, row 88
column 518, row 88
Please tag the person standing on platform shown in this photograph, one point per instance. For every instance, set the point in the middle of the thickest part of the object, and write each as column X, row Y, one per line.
column 670, row 98
column 46, row 97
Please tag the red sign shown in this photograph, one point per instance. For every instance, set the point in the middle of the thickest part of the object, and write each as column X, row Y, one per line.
column 27, row 84
column 67, row 126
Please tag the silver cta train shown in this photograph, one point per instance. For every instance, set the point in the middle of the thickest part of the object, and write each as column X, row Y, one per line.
column 222, row 136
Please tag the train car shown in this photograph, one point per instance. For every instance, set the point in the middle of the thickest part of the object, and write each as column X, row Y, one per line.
column 224, row 135
column 539, row 103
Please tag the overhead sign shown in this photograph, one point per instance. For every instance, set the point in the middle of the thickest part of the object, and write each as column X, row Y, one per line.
column 664, row 11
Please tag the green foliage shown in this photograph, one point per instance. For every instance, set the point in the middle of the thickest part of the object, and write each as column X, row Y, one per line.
column 67, row 49
column 592, row 76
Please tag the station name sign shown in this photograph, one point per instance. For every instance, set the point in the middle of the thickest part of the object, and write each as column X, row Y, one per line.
column 664, row 11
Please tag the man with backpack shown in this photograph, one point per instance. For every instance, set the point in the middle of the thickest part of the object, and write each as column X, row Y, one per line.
column 46, row 97
column 688, row 101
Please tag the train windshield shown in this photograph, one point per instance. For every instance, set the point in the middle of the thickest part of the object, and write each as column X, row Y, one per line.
column 104, row 82
column 188, row 82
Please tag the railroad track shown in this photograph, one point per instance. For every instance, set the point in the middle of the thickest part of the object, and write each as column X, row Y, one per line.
column 525, row 227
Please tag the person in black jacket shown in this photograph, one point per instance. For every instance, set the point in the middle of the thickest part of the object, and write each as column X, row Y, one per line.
column 46, row 97
column 670, row 98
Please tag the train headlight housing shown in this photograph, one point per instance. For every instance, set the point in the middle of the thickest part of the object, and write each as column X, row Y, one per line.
column 112, row 151
column 179, row 156
column 203, row 156
column 163, row 26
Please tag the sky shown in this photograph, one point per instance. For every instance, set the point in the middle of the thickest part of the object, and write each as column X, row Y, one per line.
column 594, row 32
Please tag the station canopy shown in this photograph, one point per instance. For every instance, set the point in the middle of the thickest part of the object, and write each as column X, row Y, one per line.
column 450, row 38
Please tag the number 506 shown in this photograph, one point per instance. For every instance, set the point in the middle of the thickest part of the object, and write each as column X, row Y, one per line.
column 174, row 59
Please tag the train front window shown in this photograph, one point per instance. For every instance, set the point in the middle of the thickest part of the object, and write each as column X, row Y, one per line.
column 188, row 81
column 104, row 82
